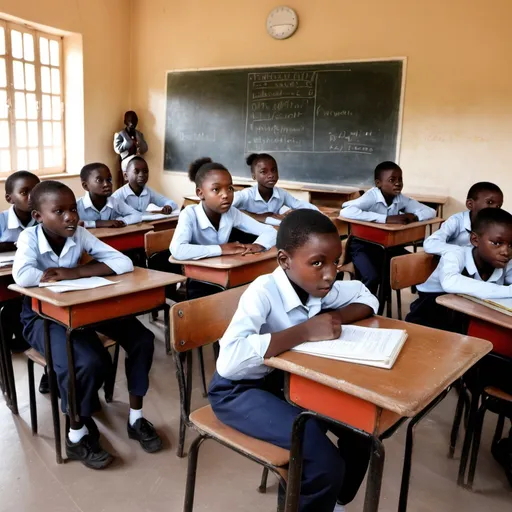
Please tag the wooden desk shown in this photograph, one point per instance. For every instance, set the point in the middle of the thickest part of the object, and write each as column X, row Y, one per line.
column 434, row 201
column 124, row 239
column 137, row 292
column 374, row 400
column 163, row 224
column 190, row 199
column 230, row 271
column 334, row 215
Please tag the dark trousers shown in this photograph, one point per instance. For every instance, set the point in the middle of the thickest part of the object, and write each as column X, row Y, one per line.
column 160, row 261
column 92, row 360
column 258, row 408
column 12, row 326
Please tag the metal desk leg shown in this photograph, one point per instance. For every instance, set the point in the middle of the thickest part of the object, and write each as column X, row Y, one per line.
column 167, row 328
column 468, row 438
column 8, row 373
column 72, row 400
column 373, row 486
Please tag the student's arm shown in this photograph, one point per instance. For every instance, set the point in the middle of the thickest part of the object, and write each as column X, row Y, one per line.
column 91, row 269
column 126, row 213
column 240, row 199
column 422, row 211
column 121, row 144
column 143, row 145
column 266, row 234
column 508, row 274
column 7, row 246
column 294, row 203
column 24, row 270
column 437, row 243
column 161, row 200
column 359, row 209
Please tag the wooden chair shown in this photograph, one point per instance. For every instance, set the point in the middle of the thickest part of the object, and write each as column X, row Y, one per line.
column 196, row 323
column 346, row 265
column 410, row 270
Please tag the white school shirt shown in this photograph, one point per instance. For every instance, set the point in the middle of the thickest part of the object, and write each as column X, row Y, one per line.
column 11, row 226
column 372, row 207
column 455, row 231
column 35, row 255
column 147, row 196
column 270, row 304
column 448, row 277
column 114, row 209
column 196, row 238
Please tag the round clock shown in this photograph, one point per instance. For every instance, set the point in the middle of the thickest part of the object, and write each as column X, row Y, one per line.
column 282, row 22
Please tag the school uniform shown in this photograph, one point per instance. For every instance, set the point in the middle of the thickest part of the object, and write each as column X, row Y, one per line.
column 11, row 226
column 372, row 207
column 455, row 231
column 248, row 396
column 114, row 209
column 126, row 145
column 92, row 361
column 140, row 203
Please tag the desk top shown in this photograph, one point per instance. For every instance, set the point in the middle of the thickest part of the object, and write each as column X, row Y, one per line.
column 132, row 228
column 471, row 308
column 229, row 262
column 393, row 227
column 139, row 280
column 429, row 362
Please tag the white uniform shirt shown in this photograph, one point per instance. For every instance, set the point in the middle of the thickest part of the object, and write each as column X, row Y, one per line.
column 196, row 238
column 372, row 207
column 455, row 231
column 11, row 226
column 270, row 304
column 35, row 255
column 147, row 196
column 114, row 209
column 447, row 277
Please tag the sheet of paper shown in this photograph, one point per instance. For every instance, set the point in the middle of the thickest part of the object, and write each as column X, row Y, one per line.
column 85, row 283
column 157, row 216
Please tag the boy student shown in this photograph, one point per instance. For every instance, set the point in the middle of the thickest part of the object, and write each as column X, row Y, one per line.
column 135, row 193
column 457, row 229
column 383, row 204
column 50, row 251
column 300, row 301
column 97, row 208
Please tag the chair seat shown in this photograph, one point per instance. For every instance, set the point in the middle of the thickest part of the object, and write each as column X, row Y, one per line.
column 206, row 421
column 498, row 393
column 35, row 356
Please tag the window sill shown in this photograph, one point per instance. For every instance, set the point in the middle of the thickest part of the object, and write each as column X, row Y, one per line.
column 44, row 177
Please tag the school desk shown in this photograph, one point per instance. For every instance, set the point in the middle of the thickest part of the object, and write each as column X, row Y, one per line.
column 135, row 293
column 190, row 199
column 124, row 239
column 374, row 402
column 163, row 224
column 230, row 271
column 334, row 215
column 436, row 202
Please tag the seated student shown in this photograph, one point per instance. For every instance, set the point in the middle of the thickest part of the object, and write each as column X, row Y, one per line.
column 277, row 312
column 136, row 194
column 265, row 200
column 50, row 251
column 97, row 208
column 457, row 229
column 383, row 204
column 204, row 229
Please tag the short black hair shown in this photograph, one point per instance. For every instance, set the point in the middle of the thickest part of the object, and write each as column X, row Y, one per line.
column 46, row 188
column 87, row 170
column 490, row 217
column 199, row 168
column 483, row 186
column 15, row 176
column 254, row 158
column 299, row 225
column 136, row 158
column 385, row 166
column 130, row 113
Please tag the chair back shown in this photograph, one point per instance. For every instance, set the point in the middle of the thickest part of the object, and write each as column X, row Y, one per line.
column 411, row 269
column 157, row 241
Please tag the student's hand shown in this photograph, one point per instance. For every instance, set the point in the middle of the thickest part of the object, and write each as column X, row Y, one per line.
column 232, row 248
column 397, row 219
column 324, row 326
column 410, row 217
column 110, row 224
column 51, row 275
column 253, row 249
column 167, row 209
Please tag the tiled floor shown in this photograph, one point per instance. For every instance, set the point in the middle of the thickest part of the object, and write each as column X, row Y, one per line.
column 30, row 480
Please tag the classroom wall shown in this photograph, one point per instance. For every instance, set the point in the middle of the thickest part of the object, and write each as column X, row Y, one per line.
column 105, row 29
column 457, row 123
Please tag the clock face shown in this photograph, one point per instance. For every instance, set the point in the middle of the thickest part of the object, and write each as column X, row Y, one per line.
column 282, row 22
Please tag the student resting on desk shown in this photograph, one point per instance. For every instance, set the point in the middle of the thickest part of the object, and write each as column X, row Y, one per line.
column 50, row 252
column 383, row 204
column 136, row 194
column 277, row 312
column 97, row 208
column 457, row 229
column 264, row 200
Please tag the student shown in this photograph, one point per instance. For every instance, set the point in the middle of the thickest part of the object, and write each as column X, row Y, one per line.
column 136, row 194
column 457, row 229
column 130, row 141
column 265, row 200
column 277, row 312
column 383, row 204
column 204, row 229
column 50, row 251
column 97, row 208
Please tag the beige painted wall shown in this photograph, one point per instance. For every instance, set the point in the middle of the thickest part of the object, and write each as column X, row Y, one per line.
column 457, row 126
column 105, row 28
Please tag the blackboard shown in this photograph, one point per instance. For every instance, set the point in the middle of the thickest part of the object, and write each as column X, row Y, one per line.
column 325, row 123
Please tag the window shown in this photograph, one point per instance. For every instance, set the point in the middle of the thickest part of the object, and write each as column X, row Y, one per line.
column 31, row 105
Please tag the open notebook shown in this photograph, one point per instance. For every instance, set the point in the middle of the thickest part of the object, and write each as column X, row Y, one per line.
column 360, row 345
column 501, row 305
column 73, row 285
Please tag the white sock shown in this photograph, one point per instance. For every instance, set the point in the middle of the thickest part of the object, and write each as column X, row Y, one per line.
column 75, row 435
column 135, row 414
column 339, row 508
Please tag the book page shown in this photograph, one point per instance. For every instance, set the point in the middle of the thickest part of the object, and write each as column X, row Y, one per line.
column 84, row 283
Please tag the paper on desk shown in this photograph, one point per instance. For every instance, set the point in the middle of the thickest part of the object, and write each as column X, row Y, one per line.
column 272, row 221
column 157, row 216
column 7, row 258
column 284, row 209
column 71, row 285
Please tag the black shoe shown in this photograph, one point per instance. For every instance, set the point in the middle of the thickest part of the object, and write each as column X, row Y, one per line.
column 144, row 432
column 502, row 452
column 44, row 385
column 89, row 452
column 94, row 433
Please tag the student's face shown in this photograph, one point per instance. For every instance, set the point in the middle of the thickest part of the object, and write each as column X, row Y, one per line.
column 137, row 174
column 217, row 191
column 131, row 121
column 390, row 182
column 265, row 173
column 313, row 266
column 485, row 199
column 494, row 246
column 99, row 182
column 58, row 214
column 20, row 193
